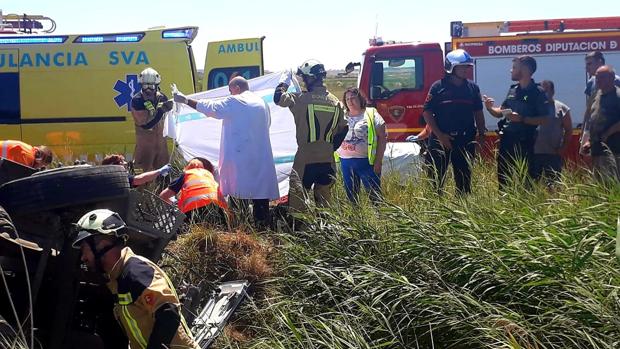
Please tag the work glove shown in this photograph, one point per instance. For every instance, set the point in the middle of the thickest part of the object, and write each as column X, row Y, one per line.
column 412, row 138
column 177, row 95
column 167, row 105
column 165, row 170
column 282, row 87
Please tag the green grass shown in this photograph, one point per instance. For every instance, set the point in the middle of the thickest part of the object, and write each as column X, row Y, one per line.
column 524, row 269
column 337, row 85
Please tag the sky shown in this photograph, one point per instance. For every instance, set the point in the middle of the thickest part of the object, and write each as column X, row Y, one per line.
column 333, row 32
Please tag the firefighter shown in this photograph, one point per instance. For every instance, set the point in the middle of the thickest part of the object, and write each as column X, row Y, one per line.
column 453, row 111
column 147, row 109
column 26, row 154
column 320, row 128
column 146, row 305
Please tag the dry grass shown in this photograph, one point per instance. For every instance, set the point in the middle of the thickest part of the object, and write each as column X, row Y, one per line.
column 204, row 253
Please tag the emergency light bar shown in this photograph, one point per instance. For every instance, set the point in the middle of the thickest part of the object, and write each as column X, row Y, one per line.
column 33, row 40
column 187, row 33
column 89, row 39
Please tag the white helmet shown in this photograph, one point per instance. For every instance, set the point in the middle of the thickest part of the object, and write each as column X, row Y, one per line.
column 457, row 57
column 311, row 68
column 100, row 222
column 149, row 76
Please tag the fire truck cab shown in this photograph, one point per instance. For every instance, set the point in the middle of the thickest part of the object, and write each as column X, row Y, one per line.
column 395, row 78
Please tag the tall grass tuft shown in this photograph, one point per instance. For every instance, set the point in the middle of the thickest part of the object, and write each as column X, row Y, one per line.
column 523, row 269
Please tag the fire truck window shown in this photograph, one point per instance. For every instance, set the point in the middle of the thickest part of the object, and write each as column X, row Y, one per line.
column 400, row 73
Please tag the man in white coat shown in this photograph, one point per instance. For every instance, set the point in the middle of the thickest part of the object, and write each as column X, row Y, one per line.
column 246, row 167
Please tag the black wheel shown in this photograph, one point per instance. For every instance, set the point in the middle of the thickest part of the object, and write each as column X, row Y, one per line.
column 64, row 187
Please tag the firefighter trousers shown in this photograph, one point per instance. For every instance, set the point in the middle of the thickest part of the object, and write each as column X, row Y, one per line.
column 318, row 178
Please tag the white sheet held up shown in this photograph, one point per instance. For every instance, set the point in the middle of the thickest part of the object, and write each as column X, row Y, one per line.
column 199, row 135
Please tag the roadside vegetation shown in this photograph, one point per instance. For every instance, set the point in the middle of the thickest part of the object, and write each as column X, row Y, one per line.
column 524, row 269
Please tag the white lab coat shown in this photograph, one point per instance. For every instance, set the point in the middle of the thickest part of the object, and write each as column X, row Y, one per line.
column 246, row 166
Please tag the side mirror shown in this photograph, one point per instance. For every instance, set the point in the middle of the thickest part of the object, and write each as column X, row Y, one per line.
column 351, row 67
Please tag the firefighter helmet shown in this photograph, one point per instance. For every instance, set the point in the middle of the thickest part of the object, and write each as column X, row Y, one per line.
column 312, row 68
column 149, row 76
column 99, row 222
column 457, row 57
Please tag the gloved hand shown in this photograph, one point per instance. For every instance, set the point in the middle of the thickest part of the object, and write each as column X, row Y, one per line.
column 412, row 138
column 165, row 170
column 177, row 95
column 283, row 87
column 167, row 105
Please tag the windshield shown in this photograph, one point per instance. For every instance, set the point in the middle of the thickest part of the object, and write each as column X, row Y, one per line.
column 391, row 75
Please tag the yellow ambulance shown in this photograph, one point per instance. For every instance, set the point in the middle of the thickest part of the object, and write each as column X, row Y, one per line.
column 73, row 92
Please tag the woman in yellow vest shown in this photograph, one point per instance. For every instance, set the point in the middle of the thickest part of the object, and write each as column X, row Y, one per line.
column 361, row 152
column 26, row 154
column 199, row 195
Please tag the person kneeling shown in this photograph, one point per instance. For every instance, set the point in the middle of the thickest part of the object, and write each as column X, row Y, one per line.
column 199, row 195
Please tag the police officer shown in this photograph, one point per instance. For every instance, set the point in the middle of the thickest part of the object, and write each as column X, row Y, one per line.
column 148, row 108
column 453, row 110
column 147, row 306
column 320, row 128
column 526, row 106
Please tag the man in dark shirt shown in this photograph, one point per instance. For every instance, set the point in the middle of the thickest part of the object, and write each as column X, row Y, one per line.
column 453, row 110
column 148, row 108
column 604, row 126
column 526, row 106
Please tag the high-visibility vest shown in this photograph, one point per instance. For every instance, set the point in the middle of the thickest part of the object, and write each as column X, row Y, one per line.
column 372, row 137
column 199, row 189
column 19, row 152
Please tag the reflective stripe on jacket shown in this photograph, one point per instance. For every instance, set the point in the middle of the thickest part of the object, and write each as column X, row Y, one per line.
column 199, row 189
column 19, row 152
column 141, row 288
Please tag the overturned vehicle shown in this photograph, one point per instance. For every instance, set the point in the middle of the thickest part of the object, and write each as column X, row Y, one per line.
column 47, row 300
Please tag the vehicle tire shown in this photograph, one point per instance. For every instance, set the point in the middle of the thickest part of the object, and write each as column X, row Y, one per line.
column 64, row 187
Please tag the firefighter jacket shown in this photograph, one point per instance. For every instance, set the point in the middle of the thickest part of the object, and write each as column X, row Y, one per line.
column 318, row 117
column 19, row 152
column 141, row 288
column 199, row 189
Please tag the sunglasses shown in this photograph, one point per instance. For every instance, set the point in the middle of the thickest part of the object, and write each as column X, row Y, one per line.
column 149, row 87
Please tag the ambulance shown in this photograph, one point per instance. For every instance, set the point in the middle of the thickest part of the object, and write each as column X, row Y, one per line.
column 73, row 92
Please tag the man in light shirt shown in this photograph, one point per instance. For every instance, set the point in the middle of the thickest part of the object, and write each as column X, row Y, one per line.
column 246, row 167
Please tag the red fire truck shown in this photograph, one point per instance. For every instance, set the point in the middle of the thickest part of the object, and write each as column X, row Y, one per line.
column 395, row 77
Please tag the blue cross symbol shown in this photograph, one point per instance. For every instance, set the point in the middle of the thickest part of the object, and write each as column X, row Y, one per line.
column 126, row 89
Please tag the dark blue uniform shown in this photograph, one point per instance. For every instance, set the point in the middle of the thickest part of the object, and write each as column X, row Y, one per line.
column 516, row 140
column 453, row 108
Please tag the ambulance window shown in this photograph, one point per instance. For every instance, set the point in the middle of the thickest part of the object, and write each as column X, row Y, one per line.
column 9, row 98
column 219, row 77
column 394, row 74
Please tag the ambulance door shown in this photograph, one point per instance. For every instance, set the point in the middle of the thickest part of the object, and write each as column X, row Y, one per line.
column 227, row 59
column 10, row 107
